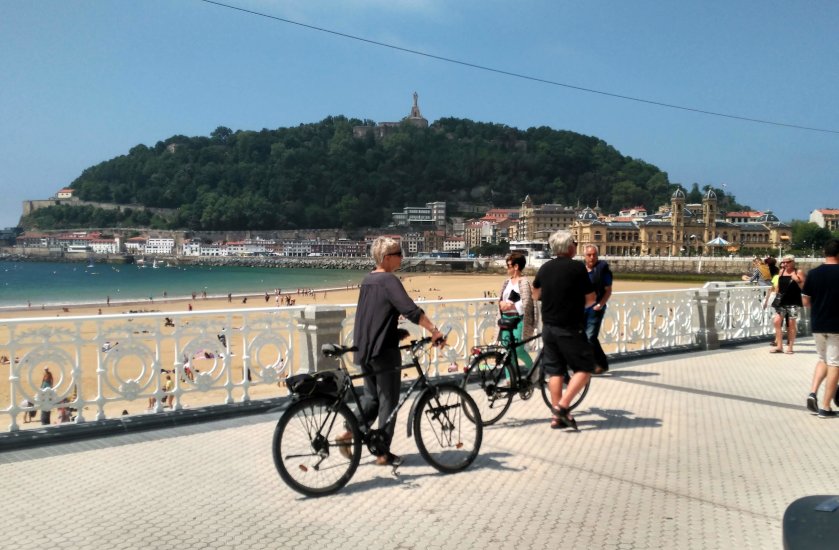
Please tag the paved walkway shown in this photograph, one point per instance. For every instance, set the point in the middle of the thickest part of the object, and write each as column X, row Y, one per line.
column 702, row 450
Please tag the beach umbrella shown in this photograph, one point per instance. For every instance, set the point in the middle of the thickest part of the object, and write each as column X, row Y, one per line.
column 718, row 241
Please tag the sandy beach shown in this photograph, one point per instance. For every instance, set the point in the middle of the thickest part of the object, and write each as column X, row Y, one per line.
column 432, row 286
column 420, row 287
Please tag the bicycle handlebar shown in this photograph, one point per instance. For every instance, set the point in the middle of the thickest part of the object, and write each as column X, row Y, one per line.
column 337, row 350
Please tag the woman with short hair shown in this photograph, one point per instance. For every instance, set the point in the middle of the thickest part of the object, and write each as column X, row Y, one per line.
column 381, row 301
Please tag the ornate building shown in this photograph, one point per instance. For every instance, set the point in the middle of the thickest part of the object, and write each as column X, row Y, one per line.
column 680, row 231
column 538, row 222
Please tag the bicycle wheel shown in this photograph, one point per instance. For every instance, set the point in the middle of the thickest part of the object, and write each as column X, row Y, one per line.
column 447, row 436
column 317, row 447
column 546, row 394
column 483, row 380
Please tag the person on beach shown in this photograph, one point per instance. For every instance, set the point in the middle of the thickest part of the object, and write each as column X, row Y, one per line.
column 790, row 281
column 169, row 397
column 564, row 287
column 601, row 277
column 821, row 294
column 382, row 299
column 517, row 301
column 47, row 382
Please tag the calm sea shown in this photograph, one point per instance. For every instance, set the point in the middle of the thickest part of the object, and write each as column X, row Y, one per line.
column 76, row 283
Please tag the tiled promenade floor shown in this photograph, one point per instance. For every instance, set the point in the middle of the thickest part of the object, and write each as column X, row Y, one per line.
column 702, row 450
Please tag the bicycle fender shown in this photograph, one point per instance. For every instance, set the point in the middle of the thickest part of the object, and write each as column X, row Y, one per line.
column 413, row 411
column 418, row 399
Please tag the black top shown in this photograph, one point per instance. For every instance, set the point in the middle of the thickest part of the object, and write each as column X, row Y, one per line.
column 564, row 283
column 380, row 302
column 790, row 290
column 822, row 286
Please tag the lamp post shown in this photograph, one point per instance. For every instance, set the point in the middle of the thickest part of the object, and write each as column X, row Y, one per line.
column 693, row 243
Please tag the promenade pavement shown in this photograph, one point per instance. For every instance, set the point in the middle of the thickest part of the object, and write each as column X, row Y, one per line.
column 699, row 450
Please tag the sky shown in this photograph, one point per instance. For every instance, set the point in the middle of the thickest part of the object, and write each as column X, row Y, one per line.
column 84, row 81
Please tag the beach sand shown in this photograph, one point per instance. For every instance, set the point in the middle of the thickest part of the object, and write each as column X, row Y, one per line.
column 420, row 286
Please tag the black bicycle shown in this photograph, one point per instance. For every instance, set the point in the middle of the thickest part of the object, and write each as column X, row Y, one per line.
column 318, row 439
column 492, row 380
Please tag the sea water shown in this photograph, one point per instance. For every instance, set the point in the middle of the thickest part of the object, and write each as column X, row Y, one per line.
column 46, row 283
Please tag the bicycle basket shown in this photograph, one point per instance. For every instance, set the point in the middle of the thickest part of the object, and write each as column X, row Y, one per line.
column 319, row 383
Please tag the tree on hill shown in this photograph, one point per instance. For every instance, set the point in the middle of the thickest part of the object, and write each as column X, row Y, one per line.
column 319, row 175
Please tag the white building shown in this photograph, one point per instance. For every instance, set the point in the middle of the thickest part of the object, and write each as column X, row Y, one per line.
column 191, row 248
column 454, row 244
column 135, row 245
column 104, row 246
column 160, row 245
column 826, row 217
column 433, row 213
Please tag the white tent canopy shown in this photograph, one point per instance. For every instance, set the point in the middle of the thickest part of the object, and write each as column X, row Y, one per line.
column 719, row 241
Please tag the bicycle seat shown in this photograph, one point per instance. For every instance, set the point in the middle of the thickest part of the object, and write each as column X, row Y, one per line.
column 508, row 323
column 335, row 350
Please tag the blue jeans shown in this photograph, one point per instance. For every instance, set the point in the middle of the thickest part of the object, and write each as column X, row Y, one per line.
column 593, row 321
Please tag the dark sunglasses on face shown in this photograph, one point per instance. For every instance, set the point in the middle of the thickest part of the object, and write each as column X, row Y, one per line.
column 397, row 253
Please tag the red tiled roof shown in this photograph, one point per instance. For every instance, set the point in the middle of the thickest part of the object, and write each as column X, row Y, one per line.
column 745, row 214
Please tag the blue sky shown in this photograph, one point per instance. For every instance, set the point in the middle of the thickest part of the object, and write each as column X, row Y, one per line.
column 85, row 80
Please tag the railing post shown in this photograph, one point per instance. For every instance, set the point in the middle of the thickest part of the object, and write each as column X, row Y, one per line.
column 704, row 318
column 319, row 325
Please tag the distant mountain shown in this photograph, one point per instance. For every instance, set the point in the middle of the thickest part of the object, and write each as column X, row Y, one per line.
column 319, row 175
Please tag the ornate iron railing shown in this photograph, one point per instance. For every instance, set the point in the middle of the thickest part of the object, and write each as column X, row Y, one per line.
column 108, row 365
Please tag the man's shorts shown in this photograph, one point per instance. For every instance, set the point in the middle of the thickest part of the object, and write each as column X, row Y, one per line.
column 563, row 349
column 827, row 346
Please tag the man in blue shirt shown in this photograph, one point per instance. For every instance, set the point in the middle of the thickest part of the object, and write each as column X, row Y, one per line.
column 601, row 277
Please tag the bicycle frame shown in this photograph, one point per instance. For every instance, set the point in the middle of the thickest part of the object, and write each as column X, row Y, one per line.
column 509, row 353
column 414, row 348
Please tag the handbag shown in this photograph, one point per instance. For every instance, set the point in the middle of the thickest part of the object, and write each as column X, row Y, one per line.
column 776, row 302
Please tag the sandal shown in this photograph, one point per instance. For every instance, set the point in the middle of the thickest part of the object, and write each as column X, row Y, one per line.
column 776, row 350
column 556, row 423
column 562, row 419
column 389, row 459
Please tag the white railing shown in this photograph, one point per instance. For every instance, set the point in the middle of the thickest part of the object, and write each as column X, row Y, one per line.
column 105, row 366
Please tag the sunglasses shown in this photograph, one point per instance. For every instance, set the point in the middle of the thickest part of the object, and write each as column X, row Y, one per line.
column 397, row 253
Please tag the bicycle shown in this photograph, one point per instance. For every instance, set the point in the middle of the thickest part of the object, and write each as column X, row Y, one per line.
column 491, row 369
column 318, row 440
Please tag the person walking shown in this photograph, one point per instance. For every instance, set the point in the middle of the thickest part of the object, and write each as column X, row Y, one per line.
column 821, row 294
column 517, row 301
column 381, row 300
column 601, row 277
column 564, row 287
column 790, row 281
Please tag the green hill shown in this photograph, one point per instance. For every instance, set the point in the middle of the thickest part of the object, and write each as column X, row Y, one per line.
column 318, row 175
